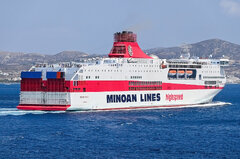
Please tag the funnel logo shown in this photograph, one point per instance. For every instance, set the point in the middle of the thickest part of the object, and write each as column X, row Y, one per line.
column 130, row 50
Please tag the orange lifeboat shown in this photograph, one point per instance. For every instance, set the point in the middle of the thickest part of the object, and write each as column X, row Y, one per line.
column 172, row 72
column 181, row 72
column 189, row 72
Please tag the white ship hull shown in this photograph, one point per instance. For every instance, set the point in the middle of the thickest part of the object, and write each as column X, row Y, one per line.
column 127, row 100
column 98, row 101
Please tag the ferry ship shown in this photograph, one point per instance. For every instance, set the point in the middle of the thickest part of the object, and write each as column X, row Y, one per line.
column 127, row 79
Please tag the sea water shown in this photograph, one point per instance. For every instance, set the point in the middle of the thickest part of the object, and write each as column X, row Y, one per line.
column 204, row 131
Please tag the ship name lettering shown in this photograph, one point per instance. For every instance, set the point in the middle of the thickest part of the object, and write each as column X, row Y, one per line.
column 125, row 98
column 150, row 97
column 121, row 98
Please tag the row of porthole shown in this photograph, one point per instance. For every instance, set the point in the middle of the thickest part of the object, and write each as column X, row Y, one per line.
column 136, row 77
column 122, row 70
column 211, row 71
column 96, row 77
column 104, row 70
column 144, row 71
column 145, row 88
column 144, row 65
column 140, row 83
column 135, row 65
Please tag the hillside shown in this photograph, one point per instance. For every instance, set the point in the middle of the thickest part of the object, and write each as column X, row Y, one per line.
column 216, row 47
column 11, row 64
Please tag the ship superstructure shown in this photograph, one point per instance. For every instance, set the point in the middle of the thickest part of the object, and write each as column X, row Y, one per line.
column 127, row 79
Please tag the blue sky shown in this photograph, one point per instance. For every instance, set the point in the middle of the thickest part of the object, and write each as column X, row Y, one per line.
column 51, row 26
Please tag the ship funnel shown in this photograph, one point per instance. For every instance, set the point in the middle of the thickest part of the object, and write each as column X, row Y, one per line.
column 125, row 36
column 125, row 46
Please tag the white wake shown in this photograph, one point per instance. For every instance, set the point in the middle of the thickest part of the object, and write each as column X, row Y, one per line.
column 215, row 103
column 15, row 111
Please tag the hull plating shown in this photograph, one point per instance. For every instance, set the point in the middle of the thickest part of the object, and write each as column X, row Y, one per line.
column 123, row 100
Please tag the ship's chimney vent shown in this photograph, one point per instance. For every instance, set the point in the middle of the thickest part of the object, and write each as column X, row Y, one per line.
column 125, row 36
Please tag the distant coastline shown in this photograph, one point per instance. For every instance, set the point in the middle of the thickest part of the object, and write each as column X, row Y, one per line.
column 9, row 82
column 12, row 63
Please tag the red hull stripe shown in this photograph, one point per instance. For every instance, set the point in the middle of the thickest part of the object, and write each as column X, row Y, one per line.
column 44, row 108
column 103, row 86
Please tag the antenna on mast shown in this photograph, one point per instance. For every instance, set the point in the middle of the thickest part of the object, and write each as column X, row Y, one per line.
column 185, row 51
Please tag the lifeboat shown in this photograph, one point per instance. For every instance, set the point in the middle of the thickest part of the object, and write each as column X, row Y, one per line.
column 181, row 72
column 172, row 72
column 189, row 72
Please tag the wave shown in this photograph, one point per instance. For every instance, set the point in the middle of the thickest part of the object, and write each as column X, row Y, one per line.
column 212, row 104
column 15, row 111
